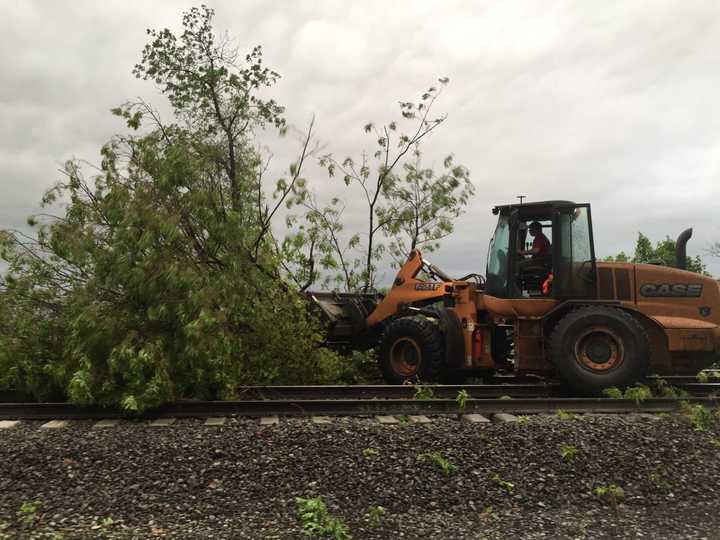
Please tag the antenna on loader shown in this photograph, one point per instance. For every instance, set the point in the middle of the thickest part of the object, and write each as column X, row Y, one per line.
column 521, row 197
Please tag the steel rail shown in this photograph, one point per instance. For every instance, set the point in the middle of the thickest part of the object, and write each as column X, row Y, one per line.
column 353, row 407
column 396, row 391
column 431, row 390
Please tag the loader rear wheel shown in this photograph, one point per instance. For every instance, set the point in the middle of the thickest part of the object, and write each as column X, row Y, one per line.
column 411, row 349
column 597, row 347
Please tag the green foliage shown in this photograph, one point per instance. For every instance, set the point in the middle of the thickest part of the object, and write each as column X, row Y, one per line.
column 374, row 515
column 708, row 375
column 163, row 279
column 317, row 521
column 507, row 486
column 370, row 452
column 448, row 468
column 658, row 478
column 407, row 205
column 637, row 393
column 700, row 417
column 564, row 415
column 613, row 392
column 620, row 257
column 28, row 512
column 568, row 452
column 358, row 367
column 663, row 253
column 661, row 388
column 461, row 399
column 423, row 392
column 610, row 492
column 422, row 205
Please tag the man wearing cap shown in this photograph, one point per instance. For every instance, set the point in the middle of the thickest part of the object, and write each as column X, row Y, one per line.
column 541, row 245
column 540, row 254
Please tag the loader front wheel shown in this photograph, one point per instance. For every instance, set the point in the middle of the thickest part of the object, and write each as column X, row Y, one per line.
column 411, row 349
column 596, row 347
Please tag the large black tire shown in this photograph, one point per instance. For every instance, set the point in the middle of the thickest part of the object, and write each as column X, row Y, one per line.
column 411, row 349
column 596, row 347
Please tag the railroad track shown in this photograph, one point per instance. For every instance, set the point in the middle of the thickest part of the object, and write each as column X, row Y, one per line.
column 513, row 390
column 361, row 400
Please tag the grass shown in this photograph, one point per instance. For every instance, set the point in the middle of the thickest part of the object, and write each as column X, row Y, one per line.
column 448, row 467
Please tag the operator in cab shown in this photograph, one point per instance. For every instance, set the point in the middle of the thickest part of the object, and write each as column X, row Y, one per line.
column 538, row 263
column 541, row 245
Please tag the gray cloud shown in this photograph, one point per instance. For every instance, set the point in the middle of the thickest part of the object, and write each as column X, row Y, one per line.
column 608, row 102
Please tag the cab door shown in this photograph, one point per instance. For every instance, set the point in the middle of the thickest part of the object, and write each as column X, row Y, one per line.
column 574, row 272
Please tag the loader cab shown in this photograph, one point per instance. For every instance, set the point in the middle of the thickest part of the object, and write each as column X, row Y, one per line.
column 569, row 265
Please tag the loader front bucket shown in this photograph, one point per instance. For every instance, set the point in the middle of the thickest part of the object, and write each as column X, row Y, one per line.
column 345, row 317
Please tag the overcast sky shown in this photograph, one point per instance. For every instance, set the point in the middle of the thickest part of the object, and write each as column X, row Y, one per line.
column 612, row 103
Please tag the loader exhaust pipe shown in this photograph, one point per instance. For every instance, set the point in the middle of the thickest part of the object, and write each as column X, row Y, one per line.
column 680, row 249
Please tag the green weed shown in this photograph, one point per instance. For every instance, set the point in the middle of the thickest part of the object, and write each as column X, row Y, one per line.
column 613, row 392
column 659, row 480
column 568, row 452
column 700, row 417
column 663, row 389
column 28, row 512
column 423, row 392
column 612, row 494
column 317, row 521
column 438, row 459
column 462, row 397
column 507, row 486
column 370, row 452
column 374, row 515
column 638, row 393
column 564, row 415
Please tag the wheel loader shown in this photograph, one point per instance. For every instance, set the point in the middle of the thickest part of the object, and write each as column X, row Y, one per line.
column 565, row 316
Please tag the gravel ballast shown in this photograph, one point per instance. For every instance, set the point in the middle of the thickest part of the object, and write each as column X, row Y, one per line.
column 535, row 478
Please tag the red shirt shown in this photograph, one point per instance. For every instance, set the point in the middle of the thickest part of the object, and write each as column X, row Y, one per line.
column 542, row 244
